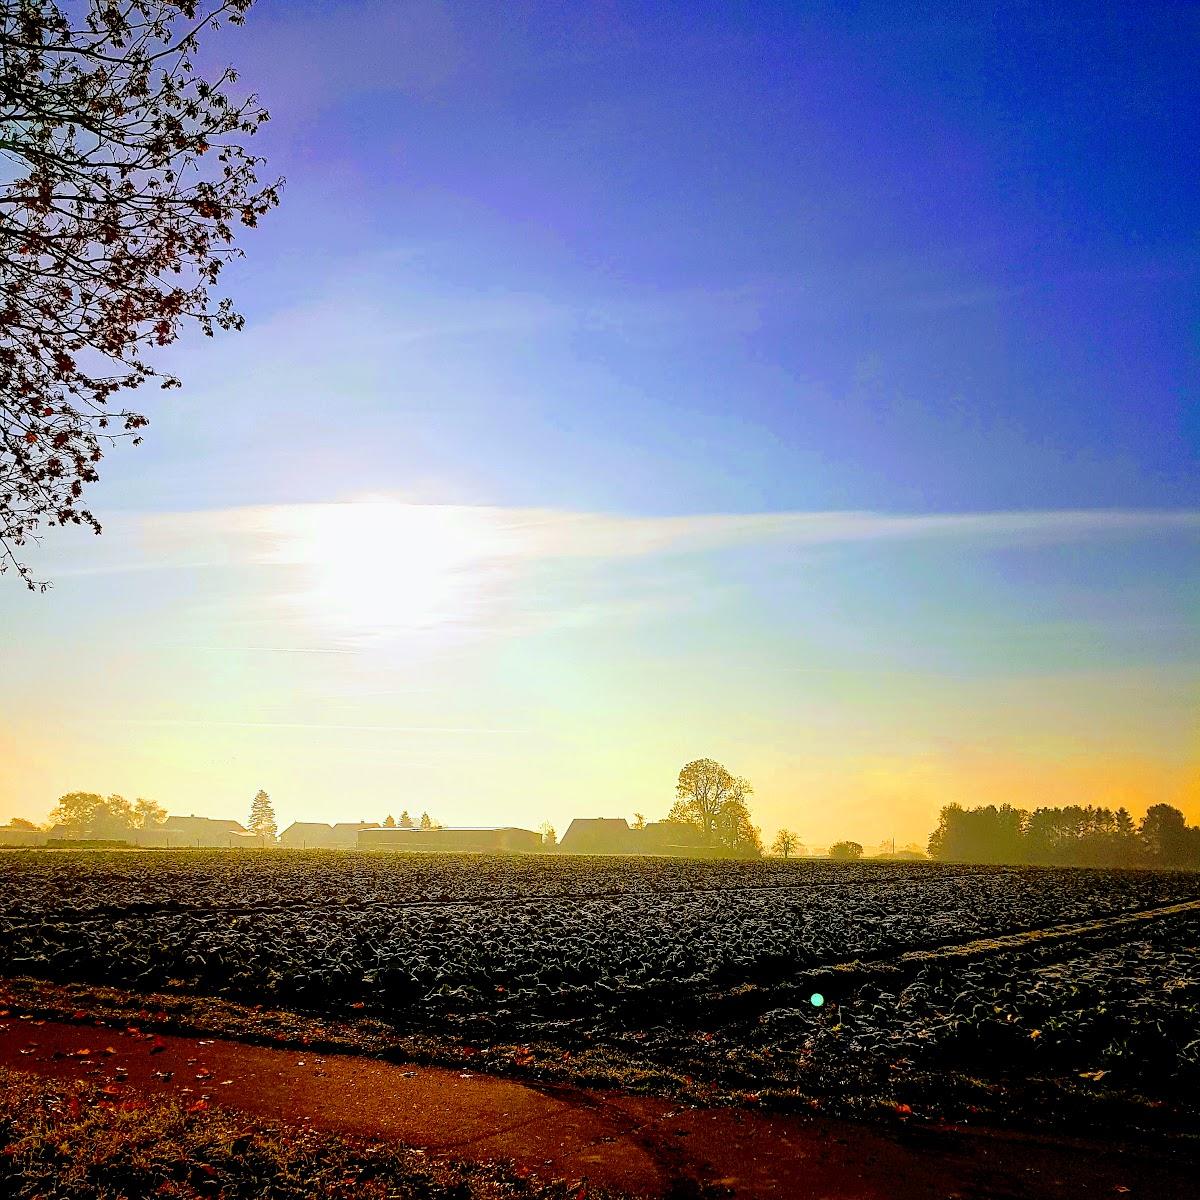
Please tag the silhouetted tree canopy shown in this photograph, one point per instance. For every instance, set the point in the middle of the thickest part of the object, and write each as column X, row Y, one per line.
column 147, row 814
column 786, row 843
column 734, row 828
column 1167, row 839
column 124, row 184
column 714, row 801
column 21, row 823
column 845, row 850
column 90, row 815
column 1073, row 835
column 964, row 834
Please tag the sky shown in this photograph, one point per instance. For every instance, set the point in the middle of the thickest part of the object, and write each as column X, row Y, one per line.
column 808, row 387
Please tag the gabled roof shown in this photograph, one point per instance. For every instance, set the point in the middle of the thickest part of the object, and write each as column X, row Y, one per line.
column 208, row 822
column 449, row 829
column 309, row 825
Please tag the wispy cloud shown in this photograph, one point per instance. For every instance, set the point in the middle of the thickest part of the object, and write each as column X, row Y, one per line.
column 299, row 534
column 601, row 536
column 275, row 649
column 415, row 730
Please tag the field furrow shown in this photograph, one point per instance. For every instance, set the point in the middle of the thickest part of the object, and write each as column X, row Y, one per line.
column 1090, row 978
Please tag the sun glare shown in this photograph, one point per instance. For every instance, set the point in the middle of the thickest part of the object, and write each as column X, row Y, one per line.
column 383, row 568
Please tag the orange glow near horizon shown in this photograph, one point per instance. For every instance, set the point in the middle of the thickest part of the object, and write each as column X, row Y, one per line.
column 495, row 665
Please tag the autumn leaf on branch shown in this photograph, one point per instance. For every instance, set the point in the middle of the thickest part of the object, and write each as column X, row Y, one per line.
column 127, row 182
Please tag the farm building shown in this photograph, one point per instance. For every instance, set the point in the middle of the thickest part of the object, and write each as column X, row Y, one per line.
column 193, row 831
column 173, row 833
column 598, row 835
column 132, row 837
column 250, row 841
column 22, row 837
column 307, row 835
column 319, row 835
column 613, row 835
column 345, row 833
column 673, row 837
column 156, row 837
column 482, row 840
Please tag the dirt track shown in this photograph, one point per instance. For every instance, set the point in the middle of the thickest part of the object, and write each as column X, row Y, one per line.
column 640, row 1145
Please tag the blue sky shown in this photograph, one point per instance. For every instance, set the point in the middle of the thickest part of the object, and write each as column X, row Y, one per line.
column 654, row 261
column 734, row 258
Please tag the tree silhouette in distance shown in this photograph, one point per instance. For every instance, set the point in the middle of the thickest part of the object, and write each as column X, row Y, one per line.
column 845, row 851
column 90, row 815
column 786, row 843
column 1070, row 835
column 712, row 800
column 147, row 814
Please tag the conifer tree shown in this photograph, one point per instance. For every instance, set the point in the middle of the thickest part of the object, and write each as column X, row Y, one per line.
column 262, row 816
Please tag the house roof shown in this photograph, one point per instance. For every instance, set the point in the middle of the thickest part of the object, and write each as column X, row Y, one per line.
column 452, row 829
column 192, row 822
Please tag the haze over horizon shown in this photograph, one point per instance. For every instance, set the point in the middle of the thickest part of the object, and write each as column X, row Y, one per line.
column 811, row 391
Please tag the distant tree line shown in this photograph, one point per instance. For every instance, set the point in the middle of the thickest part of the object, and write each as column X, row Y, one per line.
column 88, row 814
column 425, row 821
column 1073, row 835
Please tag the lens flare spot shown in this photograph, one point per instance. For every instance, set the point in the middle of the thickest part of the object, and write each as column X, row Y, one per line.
column 816, row 1000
